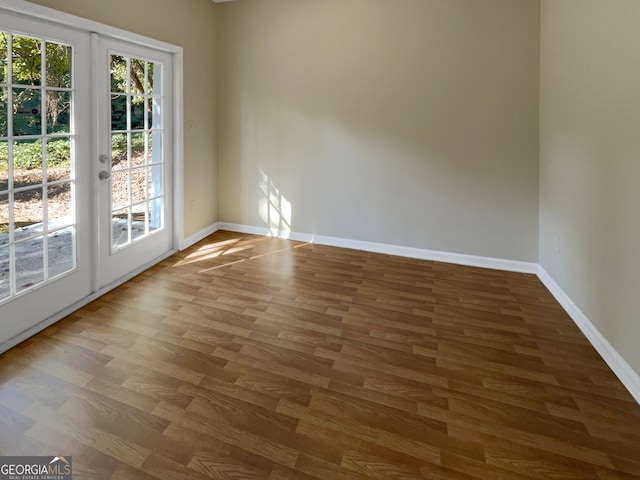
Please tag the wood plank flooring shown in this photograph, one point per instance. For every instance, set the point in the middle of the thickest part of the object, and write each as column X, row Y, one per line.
column 253, row 358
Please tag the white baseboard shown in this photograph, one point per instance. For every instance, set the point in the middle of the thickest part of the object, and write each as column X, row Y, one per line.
column 629, row 378
column 196, row 237
column 411, row 252
column 236, row 227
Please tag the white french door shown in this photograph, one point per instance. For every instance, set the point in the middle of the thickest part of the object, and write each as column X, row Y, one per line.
column 134, row 157
column 45, row 170
column 86, row 167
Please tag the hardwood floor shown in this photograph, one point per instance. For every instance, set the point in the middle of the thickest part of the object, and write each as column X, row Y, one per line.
column 253, row 358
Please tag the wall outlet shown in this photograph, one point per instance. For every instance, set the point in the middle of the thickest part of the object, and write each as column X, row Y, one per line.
column 192, row 205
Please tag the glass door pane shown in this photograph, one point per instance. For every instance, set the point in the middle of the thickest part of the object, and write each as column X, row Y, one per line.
column 137, row 160
column 37, row 185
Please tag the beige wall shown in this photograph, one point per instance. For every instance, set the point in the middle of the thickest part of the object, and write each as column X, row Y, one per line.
column 590, row 161
column 191, row 25
column 410, row 122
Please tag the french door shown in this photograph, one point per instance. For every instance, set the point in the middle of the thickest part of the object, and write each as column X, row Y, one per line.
column 134, row 157
column 85, row 167
column 45, row 147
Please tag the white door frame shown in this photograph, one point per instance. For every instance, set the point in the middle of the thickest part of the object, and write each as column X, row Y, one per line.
column 91, row 27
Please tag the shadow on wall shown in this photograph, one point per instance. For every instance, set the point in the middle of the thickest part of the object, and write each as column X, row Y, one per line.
column 273, row 207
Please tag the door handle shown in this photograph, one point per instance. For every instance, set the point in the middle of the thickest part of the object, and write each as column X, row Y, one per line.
column 104, row 175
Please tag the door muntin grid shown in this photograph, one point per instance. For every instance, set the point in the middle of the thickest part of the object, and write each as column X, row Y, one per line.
column 137, row 153
column 37, row 179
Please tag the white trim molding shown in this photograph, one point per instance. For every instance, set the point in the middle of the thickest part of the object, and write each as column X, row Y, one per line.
column 201, row 235
column 629, row 378
column 411, row 252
